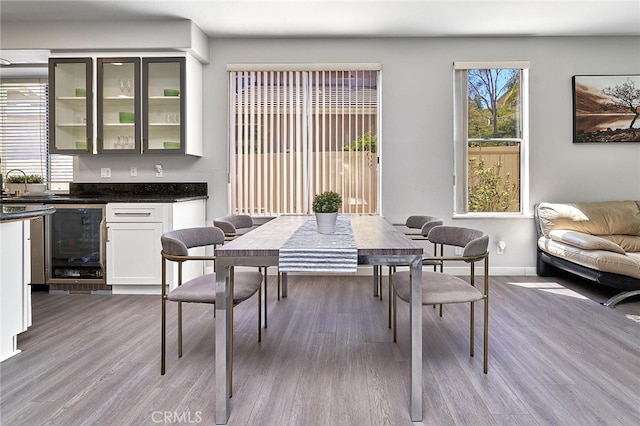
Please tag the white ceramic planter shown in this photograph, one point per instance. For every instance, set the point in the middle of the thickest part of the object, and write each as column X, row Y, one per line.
column 36, row 188
column 12, row 188
column 326, row 222
column 32, row 188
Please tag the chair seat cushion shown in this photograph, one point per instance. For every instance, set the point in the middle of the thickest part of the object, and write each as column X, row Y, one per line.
column 437, row 288
column 203, row 288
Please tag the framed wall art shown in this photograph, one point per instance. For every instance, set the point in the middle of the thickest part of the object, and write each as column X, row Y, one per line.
column 606, row 108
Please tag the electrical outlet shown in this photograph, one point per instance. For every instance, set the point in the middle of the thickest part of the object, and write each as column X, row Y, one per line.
column 459, row 251
column 159, row 170
column 134, row 171
column 105, row 172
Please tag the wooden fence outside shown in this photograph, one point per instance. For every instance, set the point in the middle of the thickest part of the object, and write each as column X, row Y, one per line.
column 506, row 161
column 279, row 186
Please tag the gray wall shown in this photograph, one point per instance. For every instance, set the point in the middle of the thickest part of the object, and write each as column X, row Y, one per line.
column 417, row 122
column 416, row 142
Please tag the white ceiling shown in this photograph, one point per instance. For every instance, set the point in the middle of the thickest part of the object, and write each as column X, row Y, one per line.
column 354, row 18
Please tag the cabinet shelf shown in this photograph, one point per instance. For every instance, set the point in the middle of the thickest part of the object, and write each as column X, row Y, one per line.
column 164, row 98
column 79, row 125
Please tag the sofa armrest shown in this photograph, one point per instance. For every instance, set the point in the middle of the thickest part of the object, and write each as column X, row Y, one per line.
column 585, row 241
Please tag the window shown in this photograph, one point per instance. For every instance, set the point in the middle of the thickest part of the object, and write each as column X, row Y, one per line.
column 24, row 137
column 491, row 137
column 302, row 130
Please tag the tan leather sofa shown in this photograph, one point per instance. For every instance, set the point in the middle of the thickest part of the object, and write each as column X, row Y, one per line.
column 599, row 241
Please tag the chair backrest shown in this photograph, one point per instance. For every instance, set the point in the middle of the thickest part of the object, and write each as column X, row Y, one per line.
column 178, row 242
column 474, row 241
column 424, row 223
column 231, row 223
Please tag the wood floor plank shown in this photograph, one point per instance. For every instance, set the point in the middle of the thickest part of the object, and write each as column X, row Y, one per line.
column 557, row 356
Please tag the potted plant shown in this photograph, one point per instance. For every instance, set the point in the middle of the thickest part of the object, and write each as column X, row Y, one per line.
column 33, row 184
column 326, row 206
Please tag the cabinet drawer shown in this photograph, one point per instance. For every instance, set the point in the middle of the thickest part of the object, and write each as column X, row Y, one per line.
column 131, row 212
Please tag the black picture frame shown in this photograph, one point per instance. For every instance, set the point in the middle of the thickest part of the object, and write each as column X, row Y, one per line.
column 606, row 108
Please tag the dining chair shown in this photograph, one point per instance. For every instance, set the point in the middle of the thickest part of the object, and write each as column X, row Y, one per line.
column 236, row 225
column 416, row 227
column 439, row 288
column 201, row 289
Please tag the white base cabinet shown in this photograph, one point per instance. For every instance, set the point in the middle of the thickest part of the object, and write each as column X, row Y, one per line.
column 134, row 263
column 15, row 293
column 133, row 254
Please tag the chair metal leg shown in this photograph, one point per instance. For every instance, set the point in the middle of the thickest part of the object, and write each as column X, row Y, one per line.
column 279, row 283
column 486, row 315
column 265, row 296
column 380, row 282
column 395, row 317
column 471, row 329
column 164, row 336
column 391, row 270
column 485, row 348
column 260, row 312
column 179, row 329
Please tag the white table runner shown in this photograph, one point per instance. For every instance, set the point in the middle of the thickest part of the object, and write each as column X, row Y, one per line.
column 309, row 251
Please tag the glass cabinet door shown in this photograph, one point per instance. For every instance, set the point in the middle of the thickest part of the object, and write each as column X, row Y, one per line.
column 164, row 105
column 70, row 112
column 118, row 105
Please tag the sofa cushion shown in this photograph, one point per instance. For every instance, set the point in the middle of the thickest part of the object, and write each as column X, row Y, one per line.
column 630, row 243
column 597, row 218
column 585, row 241
column 600, row 260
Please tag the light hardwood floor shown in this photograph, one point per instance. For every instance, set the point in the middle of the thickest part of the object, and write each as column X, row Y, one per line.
column 327, row 358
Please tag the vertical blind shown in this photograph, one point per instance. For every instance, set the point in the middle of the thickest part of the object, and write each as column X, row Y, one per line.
column 296, row 133
column 24, row 133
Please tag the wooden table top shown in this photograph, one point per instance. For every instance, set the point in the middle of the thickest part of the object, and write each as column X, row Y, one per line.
column 373, row 235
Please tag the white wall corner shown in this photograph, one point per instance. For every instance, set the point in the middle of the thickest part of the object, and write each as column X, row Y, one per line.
column 181, row 35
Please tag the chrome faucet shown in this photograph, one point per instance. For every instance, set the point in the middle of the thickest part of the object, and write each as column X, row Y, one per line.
column 25, row 177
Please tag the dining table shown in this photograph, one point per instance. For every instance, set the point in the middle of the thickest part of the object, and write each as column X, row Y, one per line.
column 375, row 242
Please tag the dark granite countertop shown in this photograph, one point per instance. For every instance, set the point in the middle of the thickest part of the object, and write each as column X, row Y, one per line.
column 24, row 212
column 102, row 193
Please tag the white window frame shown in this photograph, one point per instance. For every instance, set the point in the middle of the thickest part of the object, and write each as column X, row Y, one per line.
column 460, row 134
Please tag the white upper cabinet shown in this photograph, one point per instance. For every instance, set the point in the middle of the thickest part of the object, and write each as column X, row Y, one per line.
column 119, row 110
column 70, row 105
column 143, row 104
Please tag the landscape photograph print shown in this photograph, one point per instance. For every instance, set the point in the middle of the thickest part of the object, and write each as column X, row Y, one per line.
column 606, row 108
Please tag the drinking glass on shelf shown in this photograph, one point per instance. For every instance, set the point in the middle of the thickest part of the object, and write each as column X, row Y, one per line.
column 129, row 86
column 122, row 86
